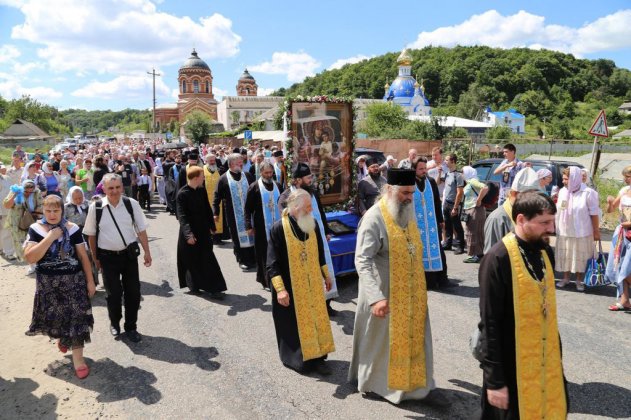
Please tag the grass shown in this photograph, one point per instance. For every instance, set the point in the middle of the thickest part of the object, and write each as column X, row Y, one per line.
column 607, row 187
column 6, row 152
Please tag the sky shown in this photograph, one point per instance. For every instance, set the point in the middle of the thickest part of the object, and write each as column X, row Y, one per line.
column 95, row 54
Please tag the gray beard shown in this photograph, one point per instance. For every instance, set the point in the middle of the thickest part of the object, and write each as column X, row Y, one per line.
column 236, row 170
column 306, row 223
column 402, row 213
column 266, row 181
column 212, row 168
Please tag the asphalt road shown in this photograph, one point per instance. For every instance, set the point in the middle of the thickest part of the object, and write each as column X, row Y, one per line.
column 218, row 359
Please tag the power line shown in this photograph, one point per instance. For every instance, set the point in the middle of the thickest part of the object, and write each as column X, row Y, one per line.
column 154, row 74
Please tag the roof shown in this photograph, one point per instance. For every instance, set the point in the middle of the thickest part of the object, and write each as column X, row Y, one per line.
column 511, row 111
column 167, row 106
column 246, row 76
column 268, row 115
column 625, row 105
column 623, row 133
column 452, row 121
column 21, row 128
column 194, row 62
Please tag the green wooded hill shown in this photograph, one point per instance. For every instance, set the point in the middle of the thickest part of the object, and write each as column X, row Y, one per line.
column 461, row 81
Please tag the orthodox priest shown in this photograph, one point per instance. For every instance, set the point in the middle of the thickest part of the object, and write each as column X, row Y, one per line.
column 232, row 189
column 392, row 339
column 369, row 188
column 520, row 347
column 302, row 179
column 429, row 219
column 193, row 159
column 261, row 212
column 280, row 171
column 197, row 266
column 172, row 182
column 297, row 267
column 211, row 179
column 500, row 221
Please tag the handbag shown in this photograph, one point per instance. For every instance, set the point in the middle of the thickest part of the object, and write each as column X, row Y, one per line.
column 464, row 217
column 26, row 219
column 595, row 271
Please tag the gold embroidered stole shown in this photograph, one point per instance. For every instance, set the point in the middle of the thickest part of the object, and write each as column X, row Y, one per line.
column 210, row 182
column 307, row 284
column 408, row 305
column 540, row 388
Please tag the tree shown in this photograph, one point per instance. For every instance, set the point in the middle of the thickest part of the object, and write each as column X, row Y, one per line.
column 501, row 132
column 381, row 117
column 198, row 126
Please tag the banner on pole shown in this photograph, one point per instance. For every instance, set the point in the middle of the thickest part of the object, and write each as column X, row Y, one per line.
column 599, row 128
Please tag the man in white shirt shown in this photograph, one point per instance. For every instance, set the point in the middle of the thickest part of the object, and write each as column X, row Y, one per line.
column 407, row 162
column 112, row 251
column 437, row 169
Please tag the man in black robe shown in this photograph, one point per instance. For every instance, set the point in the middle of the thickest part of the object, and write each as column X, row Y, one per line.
column 193, row 160
column 285, row 288
column 534, row 222
column 369, row 188
column 260, row 216
column 197, row 266
column 434, row 279
column 171, row 184
column 280, row 170
column 244, row 252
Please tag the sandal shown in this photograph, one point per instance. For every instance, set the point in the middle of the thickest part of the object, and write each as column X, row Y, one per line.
column 580, row 287
column 61, row 347
column 619, row 307
column 562, row 284
column 82, row 372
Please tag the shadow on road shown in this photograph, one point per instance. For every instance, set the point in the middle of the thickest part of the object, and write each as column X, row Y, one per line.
column 18, row 400
column 462, row 290
column 170, row 350
column 150, row 289
column 110, row 380
column 238, row 303
column 600, row 399
column 448, row 403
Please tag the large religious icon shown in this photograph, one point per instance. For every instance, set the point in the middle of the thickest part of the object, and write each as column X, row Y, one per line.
column 322, row 138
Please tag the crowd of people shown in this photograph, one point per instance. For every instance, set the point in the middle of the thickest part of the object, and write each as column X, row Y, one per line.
column 78, row 214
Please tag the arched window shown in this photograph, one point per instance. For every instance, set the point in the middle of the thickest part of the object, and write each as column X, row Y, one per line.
column 183, row 86
column 207, row 86
column 247, row 91
column 195, row 86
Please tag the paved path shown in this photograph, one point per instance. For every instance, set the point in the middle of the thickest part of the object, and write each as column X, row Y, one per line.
column 206, row 359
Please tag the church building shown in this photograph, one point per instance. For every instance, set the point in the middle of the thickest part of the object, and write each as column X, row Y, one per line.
column 406, row 91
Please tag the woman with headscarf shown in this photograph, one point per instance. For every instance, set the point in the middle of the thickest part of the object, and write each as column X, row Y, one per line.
column 362, row 170
column 475, row 214
column 64, row 285
column 578, row 226
column 65, row 178
column 24, row 198
column 545, row 178
column 31, row 172
column 76, row 207
column 158, row 173
column 619, row 262
column 51, row 178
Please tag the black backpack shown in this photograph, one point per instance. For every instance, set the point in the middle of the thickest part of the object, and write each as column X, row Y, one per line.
column 99, row 213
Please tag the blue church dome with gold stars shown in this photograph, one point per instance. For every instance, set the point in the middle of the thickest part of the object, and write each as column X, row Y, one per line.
column 405, row 89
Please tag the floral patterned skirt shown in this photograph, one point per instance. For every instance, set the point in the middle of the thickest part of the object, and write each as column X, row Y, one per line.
column 62, row 309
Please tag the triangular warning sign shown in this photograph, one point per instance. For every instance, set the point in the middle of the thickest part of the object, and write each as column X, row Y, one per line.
column 599, row 128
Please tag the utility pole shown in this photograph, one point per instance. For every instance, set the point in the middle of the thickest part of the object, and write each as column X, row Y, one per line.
column 154, row 74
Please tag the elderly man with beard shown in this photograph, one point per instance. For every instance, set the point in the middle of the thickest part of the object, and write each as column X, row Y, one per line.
column 261, row 212
column 211, row 179
column 232, row 189
column 370, row 187
column 520, row 346
column 297, row 267
column 302, row 179
column 392, row 339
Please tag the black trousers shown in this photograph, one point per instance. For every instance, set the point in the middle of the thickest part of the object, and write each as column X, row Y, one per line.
column 120, row 279
column 144, row 198
column 453, row 224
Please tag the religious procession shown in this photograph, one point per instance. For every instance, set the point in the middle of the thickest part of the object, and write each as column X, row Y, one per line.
column 79, row 218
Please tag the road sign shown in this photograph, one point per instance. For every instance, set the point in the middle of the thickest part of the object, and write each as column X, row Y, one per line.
column 247, row 135
column 169, row 135
column 599, row 128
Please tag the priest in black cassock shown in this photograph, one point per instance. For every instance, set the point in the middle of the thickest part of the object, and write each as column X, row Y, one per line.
column 299, row 274
column 369, row 188
column 261, row 212
column 232, row 189
column 193, row 160
column 172, row 174
column 280, row 170
column 197, row 266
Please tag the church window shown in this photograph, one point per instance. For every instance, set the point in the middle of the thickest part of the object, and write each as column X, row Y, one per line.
column 195, row 86
column 183, row 86
column 207, row 86
column 247, row 91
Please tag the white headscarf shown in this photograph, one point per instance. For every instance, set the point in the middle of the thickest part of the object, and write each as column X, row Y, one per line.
column 71, row 191
column 469, row 172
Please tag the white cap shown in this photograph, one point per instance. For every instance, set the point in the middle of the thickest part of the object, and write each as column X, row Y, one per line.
column 525, row 180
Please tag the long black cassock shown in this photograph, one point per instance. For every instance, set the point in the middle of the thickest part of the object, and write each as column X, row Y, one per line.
column 171, row 185
column 197, row 266
column 255, row 218
column 285, row 316
column 435, row 278
column 244, row 255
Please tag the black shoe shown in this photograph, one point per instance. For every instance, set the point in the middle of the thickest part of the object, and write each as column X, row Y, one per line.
column 446, row 246
column 331, row 311
column 244, row 267
column 115, row 331
column 447, row 284
column 133, row 336
column 217, row 241
column 458, row 251
column 323, row 369
column 217, row 295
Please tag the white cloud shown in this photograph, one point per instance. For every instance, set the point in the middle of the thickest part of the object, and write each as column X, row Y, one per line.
column 525, row 29
column 22, row 69
column 350, row 60
column 137, row 85
column 11, row 88
column 8, row 53
column 119, row 35
column 264, row 91
column 296, row 66
column 217, row 91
